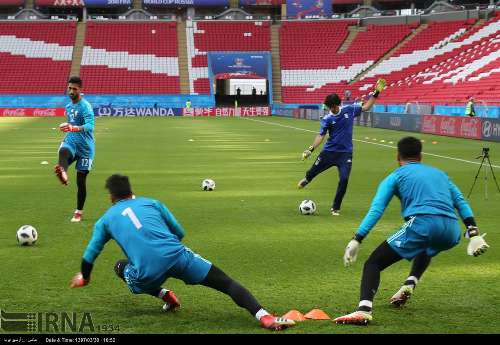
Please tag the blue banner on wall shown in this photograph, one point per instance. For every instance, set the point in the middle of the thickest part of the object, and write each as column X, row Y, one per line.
column 273, row 3
column 306, row 8
column 401, row 122
column 107, row 3
column 186, row 3
column 239, row 65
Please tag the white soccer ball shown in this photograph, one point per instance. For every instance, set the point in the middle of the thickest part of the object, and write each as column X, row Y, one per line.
column 208, row 184
column 307, row 207
column 27, row 235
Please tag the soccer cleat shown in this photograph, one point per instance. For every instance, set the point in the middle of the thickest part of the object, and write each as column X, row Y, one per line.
column 61, row 174
column 357, row 318
column 402, row 296
column 335, row 212
column 77, row 217
column 172, row 302
column 275, row 323
column 302, row 183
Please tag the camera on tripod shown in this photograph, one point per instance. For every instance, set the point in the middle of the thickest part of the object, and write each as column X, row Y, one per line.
column 485, row 155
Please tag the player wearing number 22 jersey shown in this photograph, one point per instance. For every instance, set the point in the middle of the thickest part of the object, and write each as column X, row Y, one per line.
column 78, row 144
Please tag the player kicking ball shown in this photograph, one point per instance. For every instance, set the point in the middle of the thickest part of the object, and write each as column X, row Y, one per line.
column 150, row 238
column 338, row 148
column 428, row 202
column 78, row 144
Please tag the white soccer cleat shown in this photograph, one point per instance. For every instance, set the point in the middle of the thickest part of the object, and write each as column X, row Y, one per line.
column 402, row 296
column 275, row 323
column 357, row 318
column 335, row 212
column 77, row 217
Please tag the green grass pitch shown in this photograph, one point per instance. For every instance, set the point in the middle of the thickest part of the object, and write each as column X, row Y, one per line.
column 249, row 226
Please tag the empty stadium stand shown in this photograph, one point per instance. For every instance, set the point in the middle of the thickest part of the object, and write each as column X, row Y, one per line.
column 35, row 57
column 205, row 36
column 451, row 70
column 312, row 68
column 130, row 58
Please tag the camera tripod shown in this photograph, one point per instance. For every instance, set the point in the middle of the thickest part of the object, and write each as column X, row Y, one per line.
column 485, row 155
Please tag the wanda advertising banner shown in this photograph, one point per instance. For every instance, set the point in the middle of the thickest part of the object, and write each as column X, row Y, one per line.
column 303, row 8
column 229, row 112
column 82, row 3
column 31, row 112
column 186, row 3
column 452, row 126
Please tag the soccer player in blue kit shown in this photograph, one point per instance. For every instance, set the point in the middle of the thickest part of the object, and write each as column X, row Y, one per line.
column 338, row 148
column 428, row 202
column 78, row 145
column 150, row 237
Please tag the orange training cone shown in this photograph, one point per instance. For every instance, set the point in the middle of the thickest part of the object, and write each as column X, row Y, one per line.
column 294, row 315
column 317, row 314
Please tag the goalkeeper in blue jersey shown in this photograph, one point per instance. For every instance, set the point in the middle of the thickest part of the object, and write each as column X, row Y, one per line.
column 78, row 145
column 150, row 238
column 428, row 202
column 337, row 150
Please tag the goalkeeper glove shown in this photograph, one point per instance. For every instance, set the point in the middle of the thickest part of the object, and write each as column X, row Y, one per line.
column 379, row 87
column 477, row 244
column 78, row 281
column 67, row 127
column 351, row 252
column 307, row 152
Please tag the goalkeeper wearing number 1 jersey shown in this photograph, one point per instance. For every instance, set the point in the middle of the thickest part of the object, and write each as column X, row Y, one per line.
column 150, row 237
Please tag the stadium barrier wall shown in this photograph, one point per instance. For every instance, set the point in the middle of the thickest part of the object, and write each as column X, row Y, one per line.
column 452, row 126
column 159, row 111
column 404, row 122
column 31, row 112
column 490, row 130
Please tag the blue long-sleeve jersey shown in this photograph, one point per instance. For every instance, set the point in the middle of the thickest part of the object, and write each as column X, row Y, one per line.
column 81, row 114
column 146, row 231
column 339, row 128
column 421, row 189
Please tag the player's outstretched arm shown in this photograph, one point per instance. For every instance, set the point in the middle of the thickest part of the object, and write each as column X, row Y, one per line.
column 379, row 87
column 384, row 194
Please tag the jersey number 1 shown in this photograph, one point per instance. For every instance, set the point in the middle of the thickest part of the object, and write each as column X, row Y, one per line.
column 128, row 212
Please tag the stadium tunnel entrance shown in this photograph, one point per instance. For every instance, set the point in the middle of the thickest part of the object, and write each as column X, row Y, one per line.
column 240, row 78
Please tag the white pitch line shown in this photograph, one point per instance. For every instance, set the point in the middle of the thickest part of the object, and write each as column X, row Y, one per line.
column 370, row 142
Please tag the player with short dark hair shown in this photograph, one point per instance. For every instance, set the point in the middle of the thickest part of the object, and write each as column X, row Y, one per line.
column 428, row 202
column 338, row 148
column 150, row 237
column 78, row 145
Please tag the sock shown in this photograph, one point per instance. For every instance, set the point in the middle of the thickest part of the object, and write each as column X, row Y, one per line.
column 261, row 313
column 365, row 306
column 162, row 293
column 411, row 281
column 79, row 211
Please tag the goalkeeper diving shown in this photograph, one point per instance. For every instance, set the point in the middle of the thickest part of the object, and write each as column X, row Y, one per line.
column 428, row 202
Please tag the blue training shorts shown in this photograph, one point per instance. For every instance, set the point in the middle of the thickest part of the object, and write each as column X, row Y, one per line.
column 190, row 267
column 425, row 233
column 83, row 158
